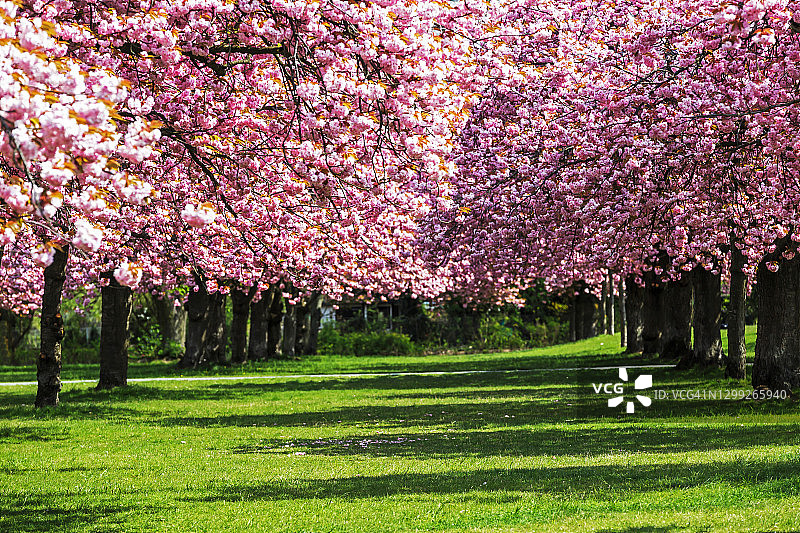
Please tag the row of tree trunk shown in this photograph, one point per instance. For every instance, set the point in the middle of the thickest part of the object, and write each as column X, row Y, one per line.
column 273, row 319
column 777, row 360
column 661, row 316
column 279, row 325
column 659, row 319
column 607, row 308
column 681, row 319
column 590, row 316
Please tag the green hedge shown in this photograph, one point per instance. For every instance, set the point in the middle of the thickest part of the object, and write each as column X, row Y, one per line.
column 332, row 342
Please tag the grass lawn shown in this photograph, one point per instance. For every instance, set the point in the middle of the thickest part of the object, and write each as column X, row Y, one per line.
column 600, row 351
column 524, row 451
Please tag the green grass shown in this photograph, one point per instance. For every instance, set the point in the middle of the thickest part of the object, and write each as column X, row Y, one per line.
column 599, row 351
column 531, row 451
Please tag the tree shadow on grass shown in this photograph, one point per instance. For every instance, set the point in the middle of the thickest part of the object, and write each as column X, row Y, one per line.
column 609, row 483
column 227, row 390
column 33, row 514
column 456, row 415
column 85, row 410
column 21, row 434
column 476, row 413
column 536, row 441
column 392, row 383
column 409, row 401
column 577, row 357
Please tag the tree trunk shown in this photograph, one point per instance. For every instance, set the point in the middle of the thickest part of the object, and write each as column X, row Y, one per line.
column 417, row 325
column 240, row 307
column 196, row 326
column 737, row 350
column 610, row 305
column 623, row 319
column 653, row 314
column 580, row 304
column 777, row 360
column 171, row 323
column 302, row 320
column 591, row 313
column 707, row 319
column 6, row 354
column 275, row 319
column 315, row 308
column 572, row 302
column 6, row 331
column 216, row 341
column 289, row 329
column 586, row 313
column 634, row 302
column 602, row 323
column 114, row 334
column 677, row 333
column 48, row 364
column 259, row 326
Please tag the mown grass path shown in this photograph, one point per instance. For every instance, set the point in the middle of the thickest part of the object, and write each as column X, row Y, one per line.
column 504, row 451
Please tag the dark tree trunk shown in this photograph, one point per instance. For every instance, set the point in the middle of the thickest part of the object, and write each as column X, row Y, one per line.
column 315, row 308
column 302, row 320
column 216, row 342
column 610, row 305
column 48, row 364
column 240, row 308
column 114, row 335
column 677, row 333
column 259, row 325
column 737, row 350
column 6, row 334
column 6, row 354
column 308, row 316
column 275, row 320
column 707, row 319
column 13, row 329
column 573, row 316
column 590, row 314
column 417, row 325
column 171, row 323
column 777, row 359
column 623, row 318
column 579, row 312
column 197, row 306
column 653, row 314
column 586, row 305
column 602, row 323
column 289, row 329
column 472, row 319
column 634, row 303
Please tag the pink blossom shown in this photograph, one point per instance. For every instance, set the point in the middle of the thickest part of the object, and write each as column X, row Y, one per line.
column 128, row 274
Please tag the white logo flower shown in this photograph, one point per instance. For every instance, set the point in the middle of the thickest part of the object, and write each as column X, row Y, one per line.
column 645, row 381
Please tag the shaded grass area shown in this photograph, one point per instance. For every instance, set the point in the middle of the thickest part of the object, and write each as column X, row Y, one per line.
column 601, row 350
column 535, row 451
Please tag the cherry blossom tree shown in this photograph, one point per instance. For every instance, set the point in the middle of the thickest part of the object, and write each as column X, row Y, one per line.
column 300, row 143
column 61, row 148
column 643, row 131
